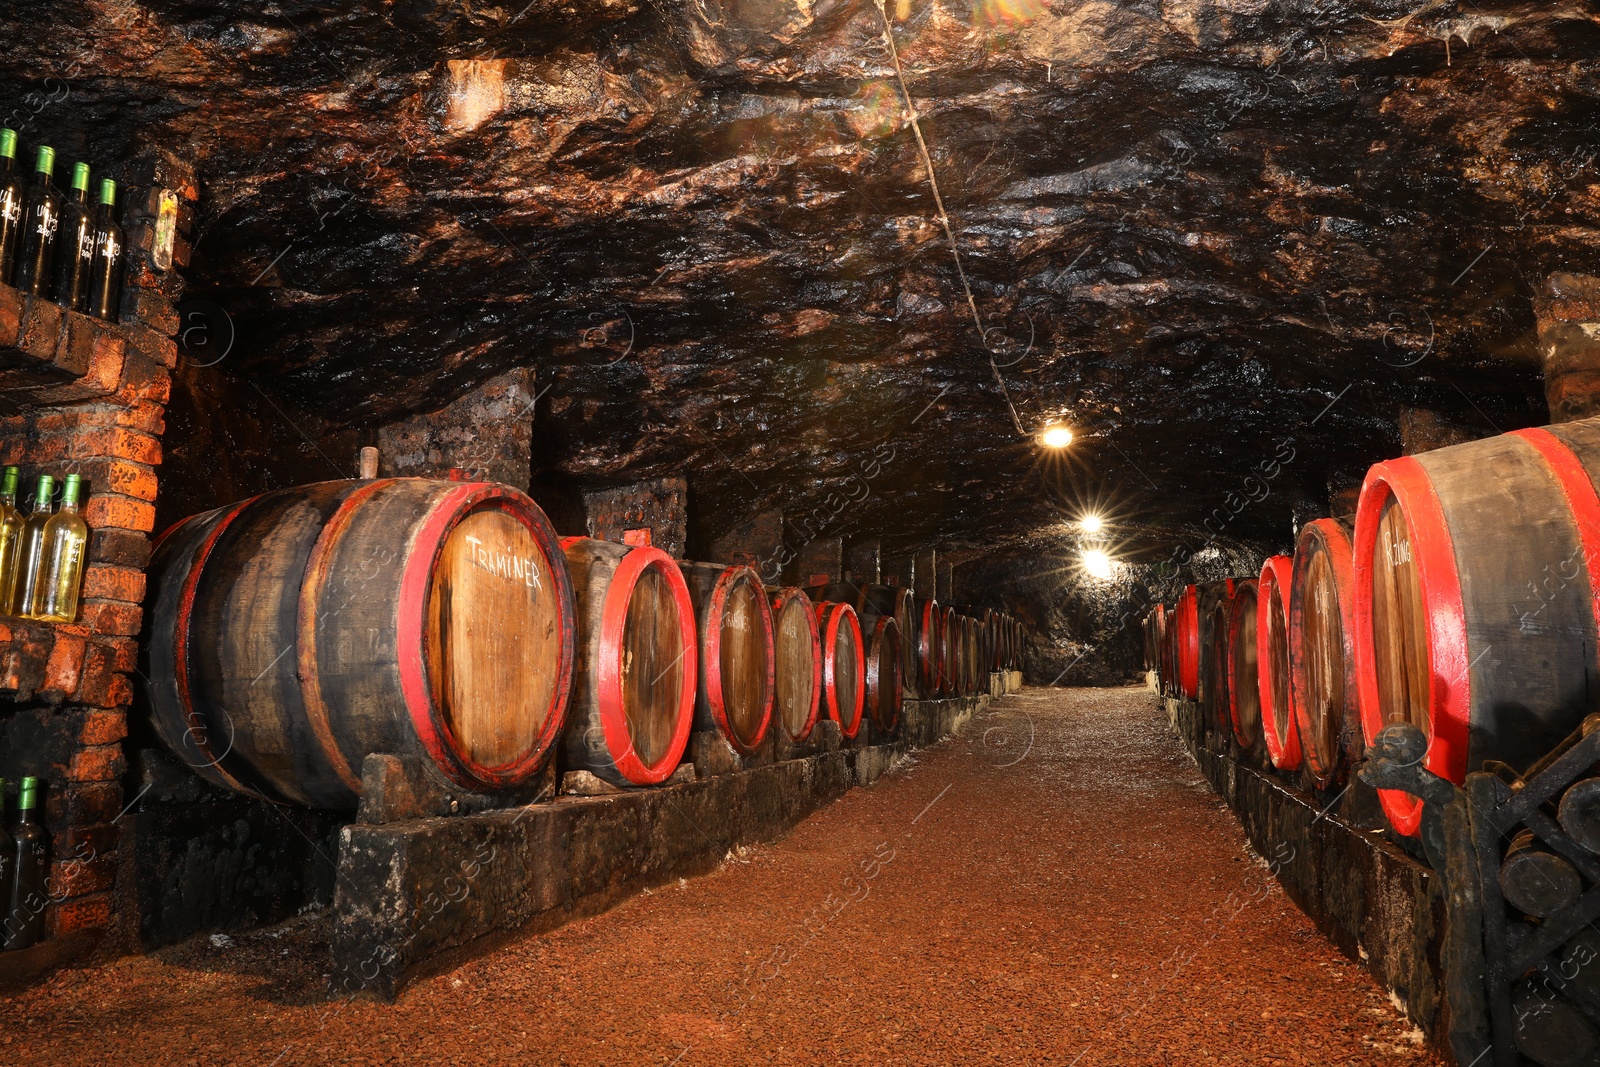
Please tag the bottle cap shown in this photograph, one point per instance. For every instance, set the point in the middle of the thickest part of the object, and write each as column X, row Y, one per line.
column 108, row 191
column 47, row 160
column 8, row 143
column 28, row 794
column 8, row 485
column 69, row 489
column 47, row 489
column 80, row 177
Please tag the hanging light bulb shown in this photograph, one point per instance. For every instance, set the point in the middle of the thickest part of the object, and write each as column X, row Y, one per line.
column 1097, row 564
column 1056, row 436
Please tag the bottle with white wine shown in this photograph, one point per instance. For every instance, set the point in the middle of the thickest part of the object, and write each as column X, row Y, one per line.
column 10, row 531
column 30, row 551
column 75, row 244
column 66, row 536
column 13, row 194
column 105, row 282
column 39, row 220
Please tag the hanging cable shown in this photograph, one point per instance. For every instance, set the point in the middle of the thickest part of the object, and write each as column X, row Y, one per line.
column 944, row 217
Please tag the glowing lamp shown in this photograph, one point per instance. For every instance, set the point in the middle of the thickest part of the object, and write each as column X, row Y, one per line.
column 1097, row 564
column 1055, row 437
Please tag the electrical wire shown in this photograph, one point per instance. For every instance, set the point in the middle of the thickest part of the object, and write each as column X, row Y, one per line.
column 944, row 217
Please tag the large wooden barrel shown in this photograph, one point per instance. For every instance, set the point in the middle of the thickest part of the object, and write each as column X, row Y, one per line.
column 736, row 669
column 1477, row 569
column 949, row 652
column 969, row 654
column 897, row 603
column 1244, row 676
column 928, row 640
column 885, row 685
column 1321, row 649
column 797, row 657
column 843, row 666
column 1214, row 606
column 1278, row 725
column 633, row 704
column 296, row 633
column 1188, row 643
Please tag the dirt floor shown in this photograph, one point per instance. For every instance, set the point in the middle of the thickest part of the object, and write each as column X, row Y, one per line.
column 1055, row 886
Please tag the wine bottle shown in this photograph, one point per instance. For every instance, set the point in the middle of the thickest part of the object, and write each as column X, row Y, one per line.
column 24, row 922
column 105, row 284
column 75, row 244
column 65, row 538
column 30, row 549
column 7, row 848
column 10, row 530
column 39, row 221
column 13, row 193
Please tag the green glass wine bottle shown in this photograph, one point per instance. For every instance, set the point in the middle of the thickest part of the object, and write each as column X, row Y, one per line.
column 13, row 194
column 30, row 549
column 10, row 531
column 75, row 244
column 66, row 536
column 7, row 848
column 39, row 220
column 105, row 282
column 30, row 862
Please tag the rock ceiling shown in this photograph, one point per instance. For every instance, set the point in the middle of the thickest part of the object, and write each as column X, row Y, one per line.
column 1207, row 234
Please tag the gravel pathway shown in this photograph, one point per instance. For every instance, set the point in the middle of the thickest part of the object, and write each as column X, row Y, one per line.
column 1055, row 886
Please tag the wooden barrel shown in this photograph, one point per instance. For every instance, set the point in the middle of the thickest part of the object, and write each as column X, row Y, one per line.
column 969, row 654
column 1244, row 676
column 949, row 646
column 839, row 593
column 633, row 704
column 897, row 603
column 1477, row 574
column 736, row 670
column 926, row 649
column 1214, row 605
column 1279, row 727
column 1321, row 649
column 884, row 682
column 1188, row 642
column 296, row 633
column 797, row 658
column 843, row 666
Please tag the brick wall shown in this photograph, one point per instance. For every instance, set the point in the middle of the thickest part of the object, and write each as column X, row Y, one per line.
column 88, row 397
column 660, row 506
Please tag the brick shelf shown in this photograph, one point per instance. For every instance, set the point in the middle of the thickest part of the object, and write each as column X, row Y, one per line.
column 79, row 395
column 55, row 662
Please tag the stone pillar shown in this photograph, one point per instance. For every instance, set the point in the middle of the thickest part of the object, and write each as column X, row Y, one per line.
column 1568, row 313
column 926, row 565
column 820, row 562
column 757, row 542
column 862, row 563
column 946, row 584
column 485, row 434
column 901, row 571
column 654, row 512
column 1423, row 430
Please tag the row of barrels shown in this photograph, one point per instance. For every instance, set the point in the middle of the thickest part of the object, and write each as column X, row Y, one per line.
column 295, row 633
column 1464, row 600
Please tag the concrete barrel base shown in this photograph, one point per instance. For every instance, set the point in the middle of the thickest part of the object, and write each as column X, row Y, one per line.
column 418, row 896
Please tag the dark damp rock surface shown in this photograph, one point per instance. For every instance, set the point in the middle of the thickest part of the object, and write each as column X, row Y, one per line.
column 1200, row 231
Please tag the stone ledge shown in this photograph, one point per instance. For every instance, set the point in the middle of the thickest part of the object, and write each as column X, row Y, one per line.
column 418, row 896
